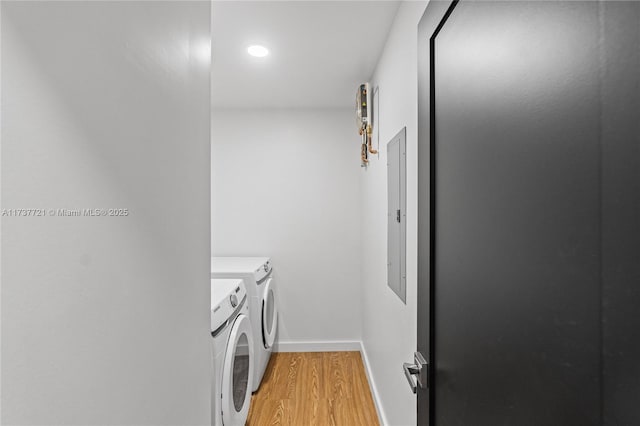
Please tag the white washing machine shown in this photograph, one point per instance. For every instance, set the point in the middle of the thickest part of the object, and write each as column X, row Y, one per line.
column 233, row 356
column 263, row 310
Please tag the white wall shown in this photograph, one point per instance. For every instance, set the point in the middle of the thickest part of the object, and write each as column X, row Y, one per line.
column 105, row 320
column 285, row 184
column 389, row 326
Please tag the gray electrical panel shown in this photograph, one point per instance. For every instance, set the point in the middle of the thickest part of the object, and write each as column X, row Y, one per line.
column 397, row 216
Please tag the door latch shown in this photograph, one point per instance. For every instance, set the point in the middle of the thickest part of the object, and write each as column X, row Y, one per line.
column 398, row 215
column 419, row 369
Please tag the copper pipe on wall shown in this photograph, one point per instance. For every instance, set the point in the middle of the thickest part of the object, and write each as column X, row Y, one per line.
column 363, row 149
column 369, row 132
column 363, row 155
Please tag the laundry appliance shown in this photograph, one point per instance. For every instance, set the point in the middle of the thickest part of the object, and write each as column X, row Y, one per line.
column 233, row 356
column 257, row 274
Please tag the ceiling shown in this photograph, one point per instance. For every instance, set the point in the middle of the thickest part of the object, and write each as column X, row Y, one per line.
column 319, row 51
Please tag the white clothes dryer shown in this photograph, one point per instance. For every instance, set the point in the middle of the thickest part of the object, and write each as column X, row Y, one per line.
column 233, row 356
column 258, row 277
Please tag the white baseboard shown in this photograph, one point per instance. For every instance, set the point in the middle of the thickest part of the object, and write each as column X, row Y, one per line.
column 318, row 346
column 372, row 386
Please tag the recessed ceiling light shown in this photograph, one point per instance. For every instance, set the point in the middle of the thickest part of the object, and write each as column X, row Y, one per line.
column 258, row 51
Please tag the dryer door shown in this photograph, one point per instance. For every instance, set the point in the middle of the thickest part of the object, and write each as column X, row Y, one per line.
column 237, row 373
column 269, row 314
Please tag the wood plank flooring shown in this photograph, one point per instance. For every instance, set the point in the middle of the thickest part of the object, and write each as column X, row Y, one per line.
column 314, row 388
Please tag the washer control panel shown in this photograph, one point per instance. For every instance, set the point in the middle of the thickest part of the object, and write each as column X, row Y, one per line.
column 263, row 270
column 226, row 296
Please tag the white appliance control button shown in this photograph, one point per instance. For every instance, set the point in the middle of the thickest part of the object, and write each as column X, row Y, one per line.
column 234, row 300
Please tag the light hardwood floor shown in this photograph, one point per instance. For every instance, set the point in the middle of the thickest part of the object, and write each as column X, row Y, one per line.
column 314, row 388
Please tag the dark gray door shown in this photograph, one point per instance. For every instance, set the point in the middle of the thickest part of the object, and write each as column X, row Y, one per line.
column 529, row 213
